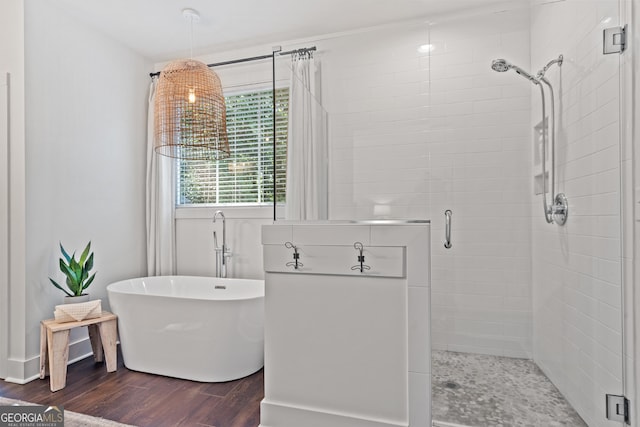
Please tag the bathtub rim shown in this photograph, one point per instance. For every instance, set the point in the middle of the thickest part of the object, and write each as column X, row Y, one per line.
column 110, row 288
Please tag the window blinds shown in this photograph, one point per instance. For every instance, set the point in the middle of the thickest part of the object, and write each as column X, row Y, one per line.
column 246, row 177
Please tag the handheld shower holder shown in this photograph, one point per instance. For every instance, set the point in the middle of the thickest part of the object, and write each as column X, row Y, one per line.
column 559, row 60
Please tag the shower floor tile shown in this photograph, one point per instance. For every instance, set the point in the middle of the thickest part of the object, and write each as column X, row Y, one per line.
column 478, row 390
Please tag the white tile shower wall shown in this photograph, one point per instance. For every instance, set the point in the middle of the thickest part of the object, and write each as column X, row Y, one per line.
column 413, row 134
column 576, row 268
column 375, row 89
column 480, row 159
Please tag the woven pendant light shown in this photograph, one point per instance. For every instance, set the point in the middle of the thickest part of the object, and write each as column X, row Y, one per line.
column 190, row 114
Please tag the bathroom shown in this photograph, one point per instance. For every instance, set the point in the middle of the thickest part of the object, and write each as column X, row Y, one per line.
column 418, row 124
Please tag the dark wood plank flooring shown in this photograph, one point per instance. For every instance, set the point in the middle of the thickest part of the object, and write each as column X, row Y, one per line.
column 148, row 400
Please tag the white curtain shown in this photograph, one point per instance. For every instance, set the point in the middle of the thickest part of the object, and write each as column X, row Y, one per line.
column 160, row 203
column 307, row 175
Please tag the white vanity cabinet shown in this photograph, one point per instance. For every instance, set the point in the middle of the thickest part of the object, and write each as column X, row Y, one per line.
column 346, row 325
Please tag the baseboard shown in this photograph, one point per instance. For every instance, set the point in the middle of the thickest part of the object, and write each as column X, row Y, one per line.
column 16, row 369
column 26, row 370
column 284, row 415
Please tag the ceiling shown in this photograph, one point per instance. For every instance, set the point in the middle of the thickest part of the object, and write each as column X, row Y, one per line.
column 157, row 29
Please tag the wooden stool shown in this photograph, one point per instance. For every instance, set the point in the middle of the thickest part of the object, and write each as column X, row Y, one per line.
column 54, row 346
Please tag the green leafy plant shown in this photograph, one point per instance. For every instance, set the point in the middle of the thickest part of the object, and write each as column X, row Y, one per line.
column 77, row 272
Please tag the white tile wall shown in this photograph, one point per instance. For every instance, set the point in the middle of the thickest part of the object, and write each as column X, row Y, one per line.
column 414, row 134
column 195, row 254
column 576, row 268
column 480, row 163
column 375, row 90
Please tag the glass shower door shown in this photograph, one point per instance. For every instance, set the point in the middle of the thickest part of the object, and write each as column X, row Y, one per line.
column 481, row 285
column 513, row 291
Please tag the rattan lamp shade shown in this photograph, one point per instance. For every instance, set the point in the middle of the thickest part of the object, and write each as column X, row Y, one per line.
column 190, row 114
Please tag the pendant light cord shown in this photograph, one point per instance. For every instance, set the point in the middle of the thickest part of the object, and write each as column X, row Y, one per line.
column 191, row 37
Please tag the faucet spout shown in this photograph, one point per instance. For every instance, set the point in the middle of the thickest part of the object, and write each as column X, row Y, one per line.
column 218, row 213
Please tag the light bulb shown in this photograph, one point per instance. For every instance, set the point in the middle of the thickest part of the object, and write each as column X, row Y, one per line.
column 192, row 96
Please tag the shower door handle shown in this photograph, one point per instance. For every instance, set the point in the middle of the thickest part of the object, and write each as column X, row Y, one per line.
column 447, row 229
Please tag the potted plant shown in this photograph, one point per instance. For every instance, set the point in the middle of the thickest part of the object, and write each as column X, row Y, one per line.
column 77, row 272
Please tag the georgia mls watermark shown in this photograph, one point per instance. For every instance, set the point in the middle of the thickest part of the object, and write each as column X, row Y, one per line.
column 31, row 416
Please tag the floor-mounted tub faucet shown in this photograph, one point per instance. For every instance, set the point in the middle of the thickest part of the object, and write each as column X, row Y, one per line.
column 222, row 253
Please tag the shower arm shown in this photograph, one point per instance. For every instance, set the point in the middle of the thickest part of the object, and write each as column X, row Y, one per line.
column 542, row 72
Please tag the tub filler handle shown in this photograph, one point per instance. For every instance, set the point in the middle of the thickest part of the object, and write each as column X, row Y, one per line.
column 296, row 264
column 222, row 257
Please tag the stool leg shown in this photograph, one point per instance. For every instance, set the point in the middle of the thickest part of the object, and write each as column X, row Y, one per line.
column 58, row 346
column 109, row 335
column 96, row 343
column 43, row 351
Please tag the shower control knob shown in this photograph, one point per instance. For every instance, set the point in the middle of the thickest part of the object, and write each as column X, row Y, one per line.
column 560, row 209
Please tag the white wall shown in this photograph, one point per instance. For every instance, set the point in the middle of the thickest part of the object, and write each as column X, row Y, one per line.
column 12, row 229
column 4, row 221
column 86, row 134
column 576, row 268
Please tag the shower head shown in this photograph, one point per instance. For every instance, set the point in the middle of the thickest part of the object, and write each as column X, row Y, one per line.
column 502, row 65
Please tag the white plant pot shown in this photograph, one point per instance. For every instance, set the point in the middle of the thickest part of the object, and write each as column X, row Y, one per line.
column 76, row 300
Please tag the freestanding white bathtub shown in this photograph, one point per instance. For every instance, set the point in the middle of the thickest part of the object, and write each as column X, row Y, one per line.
column 196, row 328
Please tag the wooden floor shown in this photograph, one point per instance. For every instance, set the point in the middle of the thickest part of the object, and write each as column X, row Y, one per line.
column 148, row 400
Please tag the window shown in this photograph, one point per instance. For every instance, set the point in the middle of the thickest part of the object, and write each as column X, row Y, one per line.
column 246, row 177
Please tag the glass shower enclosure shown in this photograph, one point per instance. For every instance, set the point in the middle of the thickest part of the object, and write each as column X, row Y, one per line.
column 419, row 124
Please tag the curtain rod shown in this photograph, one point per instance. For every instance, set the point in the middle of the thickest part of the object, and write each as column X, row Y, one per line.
column 252, row 58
